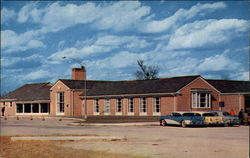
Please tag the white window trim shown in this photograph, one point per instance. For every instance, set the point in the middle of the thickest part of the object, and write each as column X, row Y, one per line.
column 143, row 113
column 154, row 106
column 105, row 112
column 96, row 113
column 58, row 105
column 131, row 113
column 116, row 107
column 31, row 113
column 196, row 100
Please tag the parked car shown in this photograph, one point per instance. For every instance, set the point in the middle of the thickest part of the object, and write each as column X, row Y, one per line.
column 181, row 118
column 229, row 120
column 210, row 118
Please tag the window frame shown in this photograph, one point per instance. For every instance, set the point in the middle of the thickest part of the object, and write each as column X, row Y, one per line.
column 107, row 104
column 157, row 110
column 118, row 107
column 197, row 98
column 143, row 106
column 60, row 103
column 131, row 106
column 96, row 106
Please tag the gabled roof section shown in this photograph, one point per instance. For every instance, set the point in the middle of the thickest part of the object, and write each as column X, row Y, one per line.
column 162, row 85
column 30, row 92
column 227, row 86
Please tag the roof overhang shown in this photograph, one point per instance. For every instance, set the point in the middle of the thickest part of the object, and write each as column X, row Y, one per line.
column 237, row 93
column 132, row 95
column 7, row 100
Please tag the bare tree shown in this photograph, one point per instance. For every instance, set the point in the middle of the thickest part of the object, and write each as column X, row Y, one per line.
column 146, row 72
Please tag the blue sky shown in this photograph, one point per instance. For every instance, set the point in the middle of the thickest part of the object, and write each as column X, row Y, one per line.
column 181, row 37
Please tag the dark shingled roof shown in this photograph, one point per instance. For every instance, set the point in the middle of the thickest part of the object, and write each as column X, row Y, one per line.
column 227, row 86
column 80, row 84
column 30, row 92
column 162, row 85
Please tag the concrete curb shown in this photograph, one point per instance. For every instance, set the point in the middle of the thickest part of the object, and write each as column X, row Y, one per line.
column 116, row 124
column 69, row 138
column 42, row 117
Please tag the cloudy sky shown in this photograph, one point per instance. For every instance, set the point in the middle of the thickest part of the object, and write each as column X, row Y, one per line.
column 183, row 38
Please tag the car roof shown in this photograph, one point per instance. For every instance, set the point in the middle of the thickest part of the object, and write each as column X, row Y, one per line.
column 218, row 111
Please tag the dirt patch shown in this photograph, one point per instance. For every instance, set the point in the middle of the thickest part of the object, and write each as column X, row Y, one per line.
column 41, row 149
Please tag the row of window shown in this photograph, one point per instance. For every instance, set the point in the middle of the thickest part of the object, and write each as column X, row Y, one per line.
column 199, row 100
column 130, row 105
column 32, row 108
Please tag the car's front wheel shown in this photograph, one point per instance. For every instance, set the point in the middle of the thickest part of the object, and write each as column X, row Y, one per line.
column 163, row 123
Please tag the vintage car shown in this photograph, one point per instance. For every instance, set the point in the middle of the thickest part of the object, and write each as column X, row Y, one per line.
column 229, row 120
column 181, row 118
column 210, row 118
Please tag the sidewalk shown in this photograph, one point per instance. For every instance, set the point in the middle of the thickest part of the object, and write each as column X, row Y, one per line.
column 68, row 138
column 115, row 124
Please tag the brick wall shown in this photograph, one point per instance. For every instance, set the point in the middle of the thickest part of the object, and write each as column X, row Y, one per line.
column 60, row 87
column 184, row 102
column 10, row 108
column 167, row 105
column 233, row 102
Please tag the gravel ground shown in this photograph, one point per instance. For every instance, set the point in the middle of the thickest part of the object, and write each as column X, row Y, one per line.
column 152, row 141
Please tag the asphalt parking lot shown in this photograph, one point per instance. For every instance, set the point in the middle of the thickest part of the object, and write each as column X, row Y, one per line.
column 147, row 140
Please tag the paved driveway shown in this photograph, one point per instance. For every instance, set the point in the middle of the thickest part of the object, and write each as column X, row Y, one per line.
column 152, row 141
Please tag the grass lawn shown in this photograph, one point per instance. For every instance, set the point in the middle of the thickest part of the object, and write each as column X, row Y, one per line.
column 48, row 149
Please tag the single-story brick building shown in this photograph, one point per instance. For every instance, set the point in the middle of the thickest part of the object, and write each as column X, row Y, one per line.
column 78, row 96
column 30, row 99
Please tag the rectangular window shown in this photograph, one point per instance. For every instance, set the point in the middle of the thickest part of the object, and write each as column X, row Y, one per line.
column 27, row 108
column 201, row 100
column 131, row 105
column 107, row 106
column 19, row 108
column 143, row 105
column 119, row 105
column 35, row 108
column 60, row 102
column 157, row 107
column 44, row 107
column 96, row 106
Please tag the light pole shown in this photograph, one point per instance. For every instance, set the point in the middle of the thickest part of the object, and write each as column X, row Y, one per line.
column 85, row 84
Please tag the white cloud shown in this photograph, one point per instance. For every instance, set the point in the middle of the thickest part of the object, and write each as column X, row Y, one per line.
column 218, row 62
column 207, row 32
column 119, row 60
column 121, row 15
column 244, row 75
column 13, row 42
column 7, row 15
column 56, row 17
column 181, row 16
column 35, row 75
column 59, row 17
column 101, row 45
column 116, row 16
column 26, row 12
column 18, row 62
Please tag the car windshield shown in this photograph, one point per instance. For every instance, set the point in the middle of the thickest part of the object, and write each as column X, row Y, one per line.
column 208, row 114
column 196, row 114
column 188, row 114
column 226, row 113
column 215, row 114
column 176, row 114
